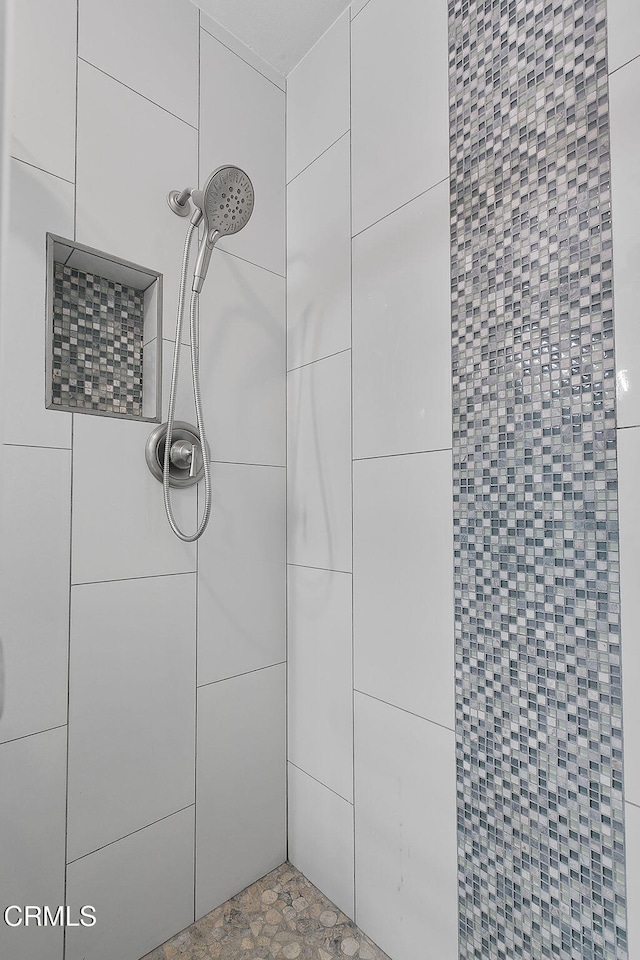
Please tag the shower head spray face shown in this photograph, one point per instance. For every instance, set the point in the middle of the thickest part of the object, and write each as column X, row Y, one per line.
column 227, row 200
column 227, row 204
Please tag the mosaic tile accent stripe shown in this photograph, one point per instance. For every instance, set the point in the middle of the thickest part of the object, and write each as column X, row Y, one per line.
column 538, row 676
column 98, row 327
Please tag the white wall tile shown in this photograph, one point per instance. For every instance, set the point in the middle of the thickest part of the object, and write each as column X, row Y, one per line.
column 39, row 203
column 241, row 573
column 320, row 679
column 123, row 180
column 241, row 784
column 134, row 537
column 245, row 129
column 399, row 105
column 624, row 88
column 35, row 504
column 632, row 854
column 242, row 361
column 321, row 837
column 43, row 109
column 131, row 707
column 318, row 97
column 141, row 887
column 629, row 516
column 403, row 583
column 402, row 330
column 32, row 813
column 623, row 31
column 149, row 45
column 406, row 860
column 245, row 53
column 319, row 259
column 319, row 461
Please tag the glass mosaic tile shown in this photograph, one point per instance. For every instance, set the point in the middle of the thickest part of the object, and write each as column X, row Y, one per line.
column 538, row 681
column 98, row 329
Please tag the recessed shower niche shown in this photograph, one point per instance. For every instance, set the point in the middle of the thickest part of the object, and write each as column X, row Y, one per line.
column 104, row 333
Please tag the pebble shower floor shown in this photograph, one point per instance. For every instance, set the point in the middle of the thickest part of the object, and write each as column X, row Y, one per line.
column 280, row 917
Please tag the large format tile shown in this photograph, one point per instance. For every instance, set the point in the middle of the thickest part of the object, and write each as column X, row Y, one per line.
column 141, row 888
column 399, row 105
column 319, row 678
column 242, row 361
column 240, row 785
column 35, row 505
column 632, row 854
column 241, row 573
column 118, row 504
column 32, row 812
column 628, row 472
column 43, row 109
column 149, row 45
column 318, row 98
column 403, row 583
column 624, row 87
column 406, row 861
column 623, row 31
column 319, row 462
column 123, row 180
column 131, row 707
column 246, row 129
column 402, row 330
column 39, row 203
column 319, row 259
column 321, row 837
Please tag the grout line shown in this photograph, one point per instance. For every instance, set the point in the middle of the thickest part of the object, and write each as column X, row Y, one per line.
column 319, row 359
column 631, row 803
column 69, row 594
column 359, row 11
column 308, row 566
column 131, row 834
column 408, row 453
column 353, row 652
column 36, row 733
column 197, row 577
column 137, row 92
column 411, row 713
column 230, row 253
column 245, row 673
column 347, row 9
column 321, row 782
column 151, row 576
column 625, row 64
column 321, row 154
column 286, row 479
column 41, row 169
column 248, row 62
column 406, row 203
column 629, row 426
column 242, row 463
column 35, row 446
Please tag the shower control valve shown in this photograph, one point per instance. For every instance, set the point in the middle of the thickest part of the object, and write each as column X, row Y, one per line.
column 186, row 463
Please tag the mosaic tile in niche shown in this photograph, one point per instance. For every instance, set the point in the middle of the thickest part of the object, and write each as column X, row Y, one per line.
column 538, row 680
column 97, row 345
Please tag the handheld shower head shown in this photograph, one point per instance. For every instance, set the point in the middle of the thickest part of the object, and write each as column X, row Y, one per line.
column 226, row 203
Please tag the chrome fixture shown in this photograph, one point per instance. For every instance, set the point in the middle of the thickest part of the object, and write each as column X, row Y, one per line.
column 223, row 207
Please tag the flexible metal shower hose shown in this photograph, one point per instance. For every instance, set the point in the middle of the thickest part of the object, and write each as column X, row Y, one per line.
column 195, row 376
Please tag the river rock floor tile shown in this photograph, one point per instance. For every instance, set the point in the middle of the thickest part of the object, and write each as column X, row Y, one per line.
column 280, row 917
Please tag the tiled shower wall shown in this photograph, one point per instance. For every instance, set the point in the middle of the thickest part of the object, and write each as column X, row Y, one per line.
column 370, row 529
column 371, row 639
column 116, row 634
